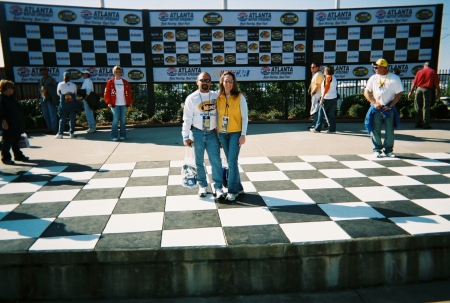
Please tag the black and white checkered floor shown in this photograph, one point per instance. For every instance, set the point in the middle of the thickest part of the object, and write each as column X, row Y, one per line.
column 288, row 200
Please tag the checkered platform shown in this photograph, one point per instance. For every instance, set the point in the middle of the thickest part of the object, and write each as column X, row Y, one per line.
column 299, row 199
column 395, row 43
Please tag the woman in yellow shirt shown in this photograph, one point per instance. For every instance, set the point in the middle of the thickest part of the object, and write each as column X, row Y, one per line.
column 232, row 123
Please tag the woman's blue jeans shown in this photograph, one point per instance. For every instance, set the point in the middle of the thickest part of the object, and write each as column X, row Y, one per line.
column 207, row 140
column 89, row 115
column 230, row 145
column 330, row 106
column 119, row 114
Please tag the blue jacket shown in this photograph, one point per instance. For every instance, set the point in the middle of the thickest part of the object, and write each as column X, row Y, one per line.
column 368, row 123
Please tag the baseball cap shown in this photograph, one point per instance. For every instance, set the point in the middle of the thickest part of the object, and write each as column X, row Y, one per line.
column 85, row 71
column 381, row 62
column 67, row 74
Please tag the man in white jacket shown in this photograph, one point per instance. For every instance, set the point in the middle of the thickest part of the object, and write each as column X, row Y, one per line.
column 200, row 124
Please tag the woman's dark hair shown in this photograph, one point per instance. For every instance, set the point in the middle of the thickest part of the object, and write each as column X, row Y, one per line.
column 5, row 84
column 330, row 70
column 235, row 90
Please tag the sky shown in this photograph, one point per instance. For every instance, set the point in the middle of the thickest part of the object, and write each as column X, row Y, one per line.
column 444, row 61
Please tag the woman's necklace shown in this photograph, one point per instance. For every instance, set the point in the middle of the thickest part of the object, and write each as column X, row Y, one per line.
column 382, row 83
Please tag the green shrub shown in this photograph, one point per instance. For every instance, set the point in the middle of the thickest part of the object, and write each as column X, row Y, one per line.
column 357, row 111
column 104, row 115
column 298, row 112
column 40, row 121
column 273, row 114
column 349, row 101
column 404, row 112
column 135, row 114
column 31, row 107
column 254, row 114
column 162, row 116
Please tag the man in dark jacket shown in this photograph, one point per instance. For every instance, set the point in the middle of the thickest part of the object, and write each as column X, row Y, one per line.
column 12, row 117
column 49, row 100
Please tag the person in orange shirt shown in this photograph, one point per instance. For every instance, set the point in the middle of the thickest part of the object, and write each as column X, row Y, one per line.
column 426, row 82
column 328, row 102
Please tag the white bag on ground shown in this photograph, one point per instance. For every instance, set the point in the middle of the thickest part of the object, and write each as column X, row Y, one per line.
column 189, row 170
column 24, row 142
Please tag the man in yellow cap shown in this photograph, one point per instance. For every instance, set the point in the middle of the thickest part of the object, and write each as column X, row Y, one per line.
column 383, row 91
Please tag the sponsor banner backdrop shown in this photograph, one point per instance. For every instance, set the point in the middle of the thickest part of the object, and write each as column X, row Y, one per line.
column 371, row 16
column 227, row 18
column 365, row 71
column 32, row 13
column 244, row 73
column 30, row 74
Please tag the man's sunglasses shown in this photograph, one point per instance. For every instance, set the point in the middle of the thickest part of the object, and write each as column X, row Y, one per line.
column 205, row 80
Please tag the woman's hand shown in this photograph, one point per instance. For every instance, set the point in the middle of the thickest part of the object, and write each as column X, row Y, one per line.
column 241, row 140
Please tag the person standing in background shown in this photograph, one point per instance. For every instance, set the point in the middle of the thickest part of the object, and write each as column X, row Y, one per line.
column 315, row 92
column 68, row 106
column 328, row 102
column 232, row 124
column 49, row 100
column 427, row 82
column 89, row 87
column 118, row 97
column 12, row 117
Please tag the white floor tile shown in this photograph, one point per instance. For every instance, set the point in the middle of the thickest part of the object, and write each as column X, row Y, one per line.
column 267, row 176
column 52, row 196
column 350, row 211
column 341, row 173
column 314, row 232
column 23, row 187
column 6, row 209
column 22, row 229
column 413, row 171
column 426, row 162
column 129, row 223
column 435, row 155
column 423, row 224
column 50, row 170
column 73, row 176
column 81, row 242
column 6, row 179
column 212, row 236
column 246, row 216
column 285, row 198
column 81, row 208
column 248, row 187
column 437, row 206
column 316, row 183
column 372, row 157
column 150, row 172
column 395, row 180
column 144, row 191
column 174, row 180
column 443, row 188
column 317, row 158
column 254, row 160
column 191, row 202
column 375, row 193
column 295, row 166
column 176, row 163
column 118, row 166
column 106, row 183
column 361, row 164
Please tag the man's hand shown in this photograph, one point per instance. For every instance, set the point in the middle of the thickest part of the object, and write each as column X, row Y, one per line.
column 188, row 142
column 409, row 95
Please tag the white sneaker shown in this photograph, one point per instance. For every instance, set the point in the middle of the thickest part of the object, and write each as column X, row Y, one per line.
column 219, row 193
column 91, row 130
column 122, row 138
column 202, row 191
column 115, row 139
column 390, row 155
column 58, row 136
column 241, row 192
column 231, row 197
column 377, row 154
column 72, row 136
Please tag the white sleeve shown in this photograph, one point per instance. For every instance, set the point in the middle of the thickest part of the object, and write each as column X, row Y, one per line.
column 58, row 89
column 369, row 85
column 244, row 114
column 88, row 86
column 188, row 117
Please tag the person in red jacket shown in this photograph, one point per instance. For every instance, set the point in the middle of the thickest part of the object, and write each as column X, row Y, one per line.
column 118, row 97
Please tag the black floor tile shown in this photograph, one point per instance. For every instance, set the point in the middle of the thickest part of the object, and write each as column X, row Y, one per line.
column 391, row 209
column 394, row 163
column 304, row 174
column 64, row 185
column 147, row 181
column 98, row 193
column 177, row 190
column 82, row 168
column 432, row 179
column 377, row 172
column 245, row 200
column 112, row 174
column 248, row 235
column 331, row 195
column 356, row 182
column 33, row 178
column 259, row 167
column 152, row 164
column 191, row 219
column 440, row 169
column 348, row 158
column 140, row 205
column 274, row 185
column 14, row 198
column 298, row 214
column 368, row 228
column 36, row 211
column 75, row 226
column 16, row 245
column 328, row 165
column 150, row 239
column 285, row 159
column 419, row 192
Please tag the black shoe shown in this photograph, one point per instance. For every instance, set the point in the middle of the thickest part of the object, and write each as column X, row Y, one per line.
column 326, row 126
column 8, row 162
column 311, row 126
column 426, row 127
column 419, row 125
column 23, row 159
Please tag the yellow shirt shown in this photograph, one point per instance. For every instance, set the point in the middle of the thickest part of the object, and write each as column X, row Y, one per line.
column 232, row 111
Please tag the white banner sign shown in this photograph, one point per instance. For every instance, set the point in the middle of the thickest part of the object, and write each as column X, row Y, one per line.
column 364, row 71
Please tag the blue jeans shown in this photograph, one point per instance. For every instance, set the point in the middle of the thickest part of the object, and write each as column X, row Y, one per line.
column 330, row 106
column 207, row 141
column 89, row 115
column 230, row 144
column 389, row 136
column 50, row 115
column 422, row 104
column 62, row 122
column 119, row 114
